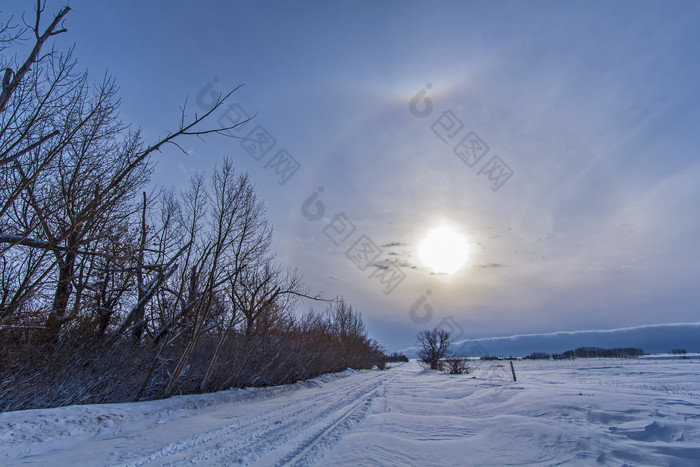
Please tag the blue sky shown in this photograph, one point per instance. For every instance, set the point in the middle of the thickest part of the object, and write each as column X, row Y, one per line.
column 593, row 107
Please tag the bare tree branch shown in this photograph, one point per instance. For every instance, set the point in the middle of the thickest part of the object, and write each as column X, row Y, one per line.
column 9, row 86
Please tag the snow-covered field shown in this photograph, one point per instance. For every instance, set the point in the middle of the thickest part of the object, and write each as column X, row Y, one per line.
column 610, row 412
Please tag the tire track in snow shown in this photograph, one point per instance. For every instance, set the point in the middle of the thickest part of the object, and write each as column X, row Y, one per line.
column 265, row 440
column 244, row 442
column 266, row 435
column 312, row 446
column 314, row 441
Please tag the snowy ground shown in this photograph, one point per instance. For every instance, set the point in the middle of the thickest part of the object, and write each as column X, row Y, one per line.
column 610, row 412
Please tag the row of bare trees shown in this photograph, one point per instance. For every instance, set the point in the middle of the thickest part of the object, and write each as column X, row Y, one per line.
column 109, row 293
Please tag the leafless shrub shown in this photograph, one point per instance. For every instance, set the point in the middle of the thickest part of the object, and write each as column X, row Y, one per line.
column 456, row 365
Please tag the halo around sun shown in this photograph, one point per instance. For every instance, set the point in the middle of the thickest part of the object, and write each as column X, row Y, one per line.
column 443, row 250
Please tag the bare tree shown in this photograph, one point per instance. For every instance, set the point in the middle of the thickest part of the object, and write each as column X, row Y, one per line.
column 71, row 169
column 433, row 345
column 347, row 325
column 236, row 237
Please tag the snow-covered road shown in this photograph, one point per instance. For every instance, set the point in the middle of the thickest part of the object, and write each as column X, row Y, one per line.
column 611, row 412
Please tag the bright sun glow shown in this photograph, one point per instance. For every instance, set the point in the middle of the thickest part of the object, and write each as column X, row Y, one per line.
column 443, row 250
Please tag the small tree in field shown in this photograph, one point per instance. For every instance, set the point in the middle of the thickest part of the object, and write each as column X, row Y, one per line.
column 433, row 345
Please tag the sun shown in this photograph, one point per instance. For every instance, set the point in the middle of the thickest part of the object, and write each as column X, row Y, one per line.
column 443, row 250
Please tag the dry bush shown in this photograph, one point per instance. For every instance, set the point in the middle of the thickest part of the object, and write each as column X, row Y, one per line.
column 456, row 365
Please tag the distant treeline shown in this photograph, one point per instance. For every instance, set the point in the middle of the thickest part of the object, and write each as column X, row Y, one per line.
column 589, row 352
column 395, row 357
column 499, row 357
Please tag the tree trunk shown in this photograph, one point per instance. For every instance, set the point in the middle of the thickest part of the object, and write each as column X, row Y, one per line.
column 214, row 358
column 183, row 361
column 64, row 288
column 140, row 311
